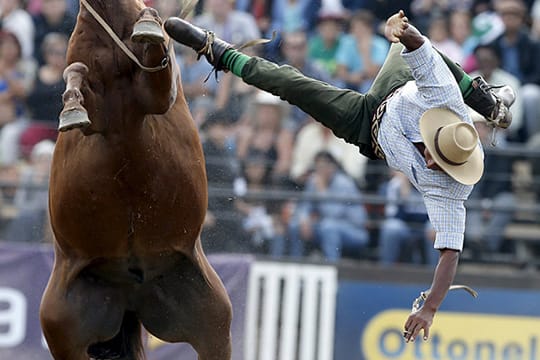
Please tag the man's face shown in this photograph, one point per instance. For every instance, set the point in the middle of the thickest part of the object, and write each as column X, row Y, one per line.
column 486, row 60
column 512, row 16
column 295, row 48
column 329, row 30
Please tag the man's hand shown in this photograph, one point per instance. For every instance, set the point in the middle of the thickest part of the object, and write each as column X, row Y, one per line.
column 395, row 26
column 418, row 321
column 443, row 278
column 397, row 29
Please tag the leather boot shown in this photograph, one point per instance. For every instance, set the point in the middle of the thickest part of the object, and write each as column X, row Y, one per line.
column 492, row 102
column 204, row 42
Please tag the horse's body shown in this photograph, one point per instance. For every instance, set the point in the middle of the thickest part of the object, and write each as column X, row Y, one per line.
column 128, row 196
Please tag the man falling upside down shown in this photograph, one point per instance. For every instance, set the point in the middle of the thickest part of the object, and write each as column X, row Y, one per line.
column 415, row 117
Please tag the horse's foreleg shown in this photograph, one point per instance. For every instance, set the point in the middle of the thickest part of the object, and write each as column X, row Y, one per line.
column 155, row 90
column 74, row 115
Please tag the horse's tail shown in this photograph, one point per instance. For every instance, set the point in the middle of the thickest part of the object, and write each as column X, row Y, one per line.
column 131, row 336
column 127, row 344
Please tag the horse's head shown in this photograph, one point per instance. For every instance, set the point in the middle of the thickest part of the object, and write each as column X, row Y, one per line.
column 119, row 14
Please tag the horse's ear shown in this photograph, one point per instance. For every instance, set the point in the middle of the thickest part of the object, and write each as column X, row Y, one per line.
column 187, row 8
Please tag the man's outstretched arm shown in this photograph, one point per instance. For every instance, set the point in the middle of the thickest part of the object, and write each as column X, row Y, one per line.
column 442, row 280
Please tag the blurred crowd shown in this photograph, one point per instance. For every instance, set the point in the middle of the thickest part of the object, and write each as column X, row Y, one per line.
column 259, row 149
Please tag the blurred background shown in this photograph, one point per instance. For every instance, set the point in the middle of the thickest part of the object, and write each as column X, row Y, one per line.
column 315, row 272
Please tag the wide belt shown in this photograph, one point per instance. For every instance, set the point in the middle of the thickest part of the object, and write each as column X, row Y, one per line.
column 376, row 124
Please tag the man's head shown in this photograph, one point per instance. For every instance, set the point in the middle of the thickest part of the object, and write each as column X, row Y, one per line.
column 54, row 10
column 460, row 25
column 325, row 165
column 452, row 145
column 487, row 60
column 295, row 48
column 362, row 24
column 217, row 126
column 512, row 13
column 54, row 48
column 220, row 9
column 7, row 6
column 330, row 25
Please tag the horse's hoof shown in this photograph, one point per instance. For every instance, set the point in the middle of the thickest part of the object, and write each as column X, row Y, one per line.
column 73, row 119
column 147, row 31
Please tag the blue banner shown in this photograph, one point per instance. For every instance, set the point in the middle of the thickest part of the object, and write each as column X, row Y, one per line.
column 499, row 324
column 24, row 272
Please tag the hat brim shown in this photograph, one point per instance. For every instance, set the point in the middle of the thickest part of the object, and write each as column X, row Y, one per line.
column 468, row 173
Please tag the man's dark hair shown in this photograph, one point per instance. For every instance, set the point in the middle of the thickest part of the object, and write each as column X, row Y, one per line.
column 489, row 48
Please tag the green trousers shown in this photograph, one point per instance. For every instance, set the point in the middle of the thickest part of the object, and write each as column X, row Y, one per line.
column 347, row 113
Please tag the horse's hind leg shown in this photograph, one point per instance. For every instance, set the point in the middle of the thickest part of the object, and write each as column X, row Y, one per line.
column 183, row 305
column 75, row 316
column 74, row 115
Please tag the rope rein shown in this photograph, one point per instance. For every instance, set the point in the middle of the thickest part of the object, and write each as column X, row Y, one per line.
column 125, row 49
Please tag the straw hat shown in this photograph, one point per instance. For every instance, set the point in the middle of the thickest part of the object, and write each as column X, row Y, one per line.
column 453, row 144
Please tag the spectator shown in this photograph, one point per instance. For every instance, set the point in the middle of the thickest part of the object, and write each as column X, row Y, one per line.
column 34, row 6
column 221, row 170
column 18, row 21
column 53, row 17
column 425, row 10
column 257, row 216
column 361, row 52
column 199, row 88
column 438, row 33
column 486, row 23
column 492, row 196
column 294, row 50
column 31, row 197
column 263, row 11
column 519, row 53
column 314, row 138
column 332, row 225
column 15, row 82
column 461, row 34
column 44, row 102
column 45, row 99
column 383, row 9
column 535, row 18
column 263, row 129
column 293, row 15
column 9, row 176
column 233, row 94
column 461, row 31
column 11, row 86
column 488, row 64
column 168, row 8
column 267, row 15
column 238, row 27
column 233, row 26
column 406, row 235
column 323, row 46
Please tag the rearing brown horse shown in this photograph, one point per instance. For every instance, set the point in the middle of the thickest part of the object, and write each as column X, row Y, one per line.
column 128, row 196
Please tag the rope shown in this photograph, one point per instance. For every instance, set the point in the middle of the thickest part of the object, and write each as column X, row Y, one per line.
column 125, row 49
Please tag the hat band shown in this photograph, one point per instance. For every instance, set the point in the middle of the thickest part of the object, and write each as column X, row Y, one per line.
column 440, row 153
